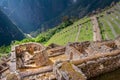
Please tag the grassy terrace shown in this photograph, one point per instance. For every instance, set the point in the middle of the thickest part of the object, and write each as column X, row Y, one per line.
column 109, row 26
column 112, row 21
column 70, row 33
column 86, row 32
column 106, row 30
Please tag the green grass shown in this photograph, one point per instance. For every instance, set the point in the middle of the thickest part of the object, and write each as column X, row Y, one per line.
column 107, row 30
column 102, row 30
column 69, row 34
column 86, row 32
column 116, row 28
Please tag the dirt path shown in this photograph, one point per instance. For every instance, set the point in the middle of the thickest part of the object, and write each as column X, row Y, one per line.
column 78, row 34
column 96, row 29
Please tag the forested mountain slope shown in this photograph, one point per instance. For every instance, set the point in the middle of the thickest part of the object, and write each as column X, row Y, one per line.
column 8, row 30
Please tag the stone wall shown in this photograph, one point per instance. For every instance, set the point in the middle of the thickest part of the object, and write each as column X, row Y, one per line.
column 76, row 51
column 100, row 65
column 89, row 58
column 85, row 59
column 26, row 52
column 67, row 71
column 89, row 67
column 56, row 51
column 117, row 41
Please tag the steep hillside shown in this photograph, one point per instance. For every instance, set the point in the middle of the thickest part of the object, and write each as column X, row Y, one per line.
column 43, row 14
column 83, row 30
column 29, row 14
column 8, row 30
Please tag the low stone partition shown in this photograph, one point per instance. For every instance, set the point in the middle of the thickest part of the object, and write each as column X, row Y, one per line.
column 56, row 51
column 75, row 51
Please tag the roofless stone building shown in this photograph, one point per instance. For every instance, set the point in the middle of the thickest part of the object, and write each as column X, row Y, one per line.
column 75, row 61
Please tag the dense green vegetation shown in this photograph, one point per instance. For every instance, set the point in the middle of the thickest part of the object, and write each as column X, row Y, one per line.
column 45, row 36
column 4, row 50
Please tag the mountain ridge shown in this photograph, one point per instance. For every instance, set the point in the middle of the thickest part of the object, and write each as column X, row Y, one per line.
column 8, row 31
column 34, row 15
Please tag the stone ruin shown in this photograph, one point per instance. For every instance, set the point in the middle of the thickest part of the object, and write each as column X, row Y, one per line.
column 88, row 59
column 75, row 61
column 76, row 51
column 30, row 53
